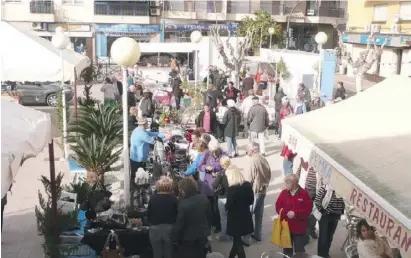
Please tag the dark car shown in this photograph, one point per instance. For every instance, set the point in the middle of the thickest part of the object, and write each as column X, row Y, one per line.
column 35, row 93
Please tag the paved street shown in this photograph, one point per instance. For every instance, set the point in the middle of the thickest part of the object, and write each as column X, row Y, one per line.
column 20, row 239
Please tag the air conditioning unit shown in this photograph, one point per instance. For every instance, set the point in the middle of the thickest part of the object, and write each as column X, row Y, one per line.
column 154, row 11
column 375, row 28
column 38, row 26
column 367, row 28
column 395, row 28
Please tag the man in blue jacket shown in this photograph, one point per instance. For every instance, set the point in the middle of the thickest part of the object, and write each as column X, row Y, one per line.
column 140, row 143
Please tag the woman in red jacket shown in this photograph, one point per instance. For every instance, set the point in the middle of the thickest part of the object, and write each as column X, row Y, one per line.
column 295, row 205
column 285, row 111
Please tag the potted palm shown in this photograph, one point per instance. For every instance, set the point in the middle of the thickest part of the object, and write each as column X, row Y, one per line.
column 95, row 138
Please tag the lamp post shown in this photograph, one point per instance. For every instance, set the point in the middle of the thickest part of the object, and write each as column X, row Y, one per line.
column 271, row 32
column 195, row 39
column 61, row 41
column 321, row 38
column 125, row 52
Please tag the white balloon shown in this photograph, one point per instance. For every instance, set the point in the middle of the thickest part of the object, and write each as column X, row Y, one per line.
column 196, row 36
column 125, row 51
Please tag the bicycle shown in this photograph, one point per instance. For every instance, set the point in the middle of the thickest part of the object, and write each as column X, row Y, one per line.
column 351, row 226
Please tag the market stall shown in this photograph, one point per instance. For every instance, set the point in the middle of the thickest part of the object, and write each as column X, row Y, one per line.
column 361, row 147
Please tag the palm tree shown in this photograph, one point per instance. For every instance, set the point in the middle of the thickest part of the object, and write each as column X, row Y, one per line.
column 96, row 155
column 103, row 121
column 93, row 137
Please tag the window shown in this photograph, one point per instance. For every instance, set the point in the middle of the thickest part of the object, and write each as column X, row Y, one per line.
column 380, row 13
column 333, row 4
column 13, row 1
column 73, row 1
column 405, row 10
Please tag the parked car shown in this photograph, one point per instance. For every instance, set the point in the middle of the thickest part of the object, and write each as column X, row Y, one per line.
column 35, row 93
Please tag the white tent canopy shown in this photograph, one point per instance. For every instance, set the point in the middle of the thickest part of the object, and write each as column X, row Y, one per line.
column 27, row 57
column 362, row 148
column 24, row 134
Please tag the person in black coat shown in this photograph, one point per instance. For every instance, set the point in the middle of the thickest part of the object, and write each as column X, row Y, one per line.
column 240, row 197
column 212, row 128
column 193, row 222
column 231, row 92
column 231, row 121
column 211, row 96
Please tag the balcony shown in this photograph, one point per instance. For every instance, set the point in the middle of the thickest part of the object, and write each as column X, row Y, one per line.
column 128, row 8
column 122, row 12
column 201, row 10
column 43, row 7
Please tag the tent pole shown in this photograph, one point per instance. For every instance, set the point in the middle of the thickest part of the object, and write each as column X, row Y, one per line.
column 75, row 93
column 53, row 189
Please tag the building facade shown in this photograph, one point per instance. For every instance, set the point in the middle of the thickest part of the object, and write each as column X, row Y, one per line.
column 93, row 25
column 389, row 20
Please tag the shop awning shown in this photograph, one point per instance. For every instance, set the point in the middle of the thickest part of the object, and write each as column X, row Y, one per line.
column 362, row 147
column 27, row 57
column 167, row 47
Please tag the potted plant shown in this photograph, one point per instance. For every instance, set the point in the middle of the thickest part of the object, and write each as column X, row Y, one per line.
column 44, row 216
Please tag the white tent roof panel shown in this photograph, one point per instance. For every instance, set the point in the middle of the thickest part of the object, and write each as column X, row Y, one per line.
column 27, row 57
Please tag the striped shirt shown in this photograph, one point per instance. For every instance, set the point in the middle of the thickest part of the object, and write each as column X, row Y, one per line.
column 310, row 181
column 336, row 205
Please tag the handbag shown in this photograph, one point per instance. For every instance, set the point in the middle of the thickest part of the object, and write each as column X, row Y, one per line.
column 112, row 253
column 281, row 235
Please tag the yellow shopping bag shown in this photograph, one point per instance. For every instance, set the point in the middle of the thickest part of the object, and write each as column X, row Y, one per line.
column 280, row 235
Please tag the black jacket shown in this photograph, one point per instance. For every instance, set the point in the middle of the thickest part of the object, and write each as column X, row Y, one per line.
column 277, row 99
column 120, row 87
column 231, row 122
column 220, row 184
column 340, row 93
column 210, row 97
column 239, row 218
column 235, row 95
column 193, row 219
column 213, row 122
column 131, row 99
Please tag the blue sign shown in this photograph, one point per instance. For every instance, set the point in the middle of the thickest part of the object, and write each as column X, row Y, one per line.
column 201, row 26
column 363, row 39
column 329, row 60
column 126, row 28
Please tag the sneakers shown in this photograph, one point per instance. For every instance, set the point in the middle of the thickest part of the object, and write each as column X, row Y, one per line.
column 314, row 235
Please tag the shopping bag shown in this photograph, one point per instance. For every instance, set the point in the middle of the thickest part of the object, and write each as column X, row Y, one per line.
column 285, row 235
column 281, row 235
column 276, row 233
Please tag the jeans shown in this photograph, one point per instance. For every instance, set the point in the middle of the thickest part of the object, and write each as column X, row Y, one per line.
column 311, row 223
column 258, row 210
column 288, row 166
column 178, row 100
column 328, row 224
column 231, row 143
column 215, row 213
column 161, row 240
column 223, row 219
column 237, row 250
column 298, row 242
column 260, row 136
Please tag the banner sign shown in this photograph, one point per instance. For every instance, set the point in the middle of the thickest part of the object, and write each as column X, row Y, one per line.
column 126, row 28
column 395, row 232
column 201, row 26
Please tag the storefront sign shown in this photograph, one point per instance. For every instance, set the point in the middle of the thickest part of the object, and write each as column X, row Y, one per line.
column 201, row 26
column 69, row 27
column 395, row 232
column 126, row 28
column 323, row 168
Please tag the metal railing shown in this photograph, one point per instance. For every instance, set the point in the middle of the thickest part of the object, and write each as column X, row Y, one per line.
column 194, row 6
column 122, row 8
column 41, row 7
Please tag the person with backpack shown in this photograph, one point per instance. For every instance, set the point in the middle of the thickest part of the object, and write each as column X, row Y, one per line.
column 146, row 105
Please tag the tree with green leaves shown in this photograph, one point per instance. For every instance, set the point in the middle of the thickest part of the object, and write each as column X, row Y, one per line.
column 260, row 23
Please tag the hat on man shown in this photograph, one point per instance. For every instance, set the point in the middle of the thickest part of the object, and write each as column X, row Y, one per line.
column 141, row 121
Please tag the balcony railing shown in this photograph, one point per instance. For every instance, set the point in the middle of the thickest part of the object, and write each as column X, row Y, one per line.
column 122, row 8
column 327, row 12
column 41, row 7
column 208, row 6
column 194, row 6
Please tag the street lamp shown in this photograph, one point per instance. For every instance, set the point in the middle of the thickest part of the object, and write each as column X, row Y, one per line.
column 271, row 31
column 321, row 38
column 125, row 52
column 196, row 37
column 61, row 41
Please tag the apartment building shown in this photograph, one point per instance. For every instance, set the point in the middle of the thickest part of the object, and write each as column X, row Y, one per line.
column 93, row 25
column 389, row 20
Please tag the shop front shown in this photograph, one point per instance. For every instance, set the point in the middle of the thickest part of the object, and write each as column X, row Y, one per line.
column 106, row 34
column 182, row 32
column 363, row 154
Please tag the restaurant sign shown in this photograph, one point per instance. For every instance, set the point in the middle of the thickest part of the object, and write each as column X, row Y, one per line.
column 396, row 233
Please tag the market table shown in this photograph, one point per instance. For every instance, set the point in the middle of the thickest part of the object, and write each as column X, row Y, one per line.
column 133, row 241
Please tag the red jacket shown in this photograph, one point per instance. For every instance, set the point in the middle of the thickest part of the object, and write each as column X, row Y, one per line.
column 302, row 206
column 287, row 153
